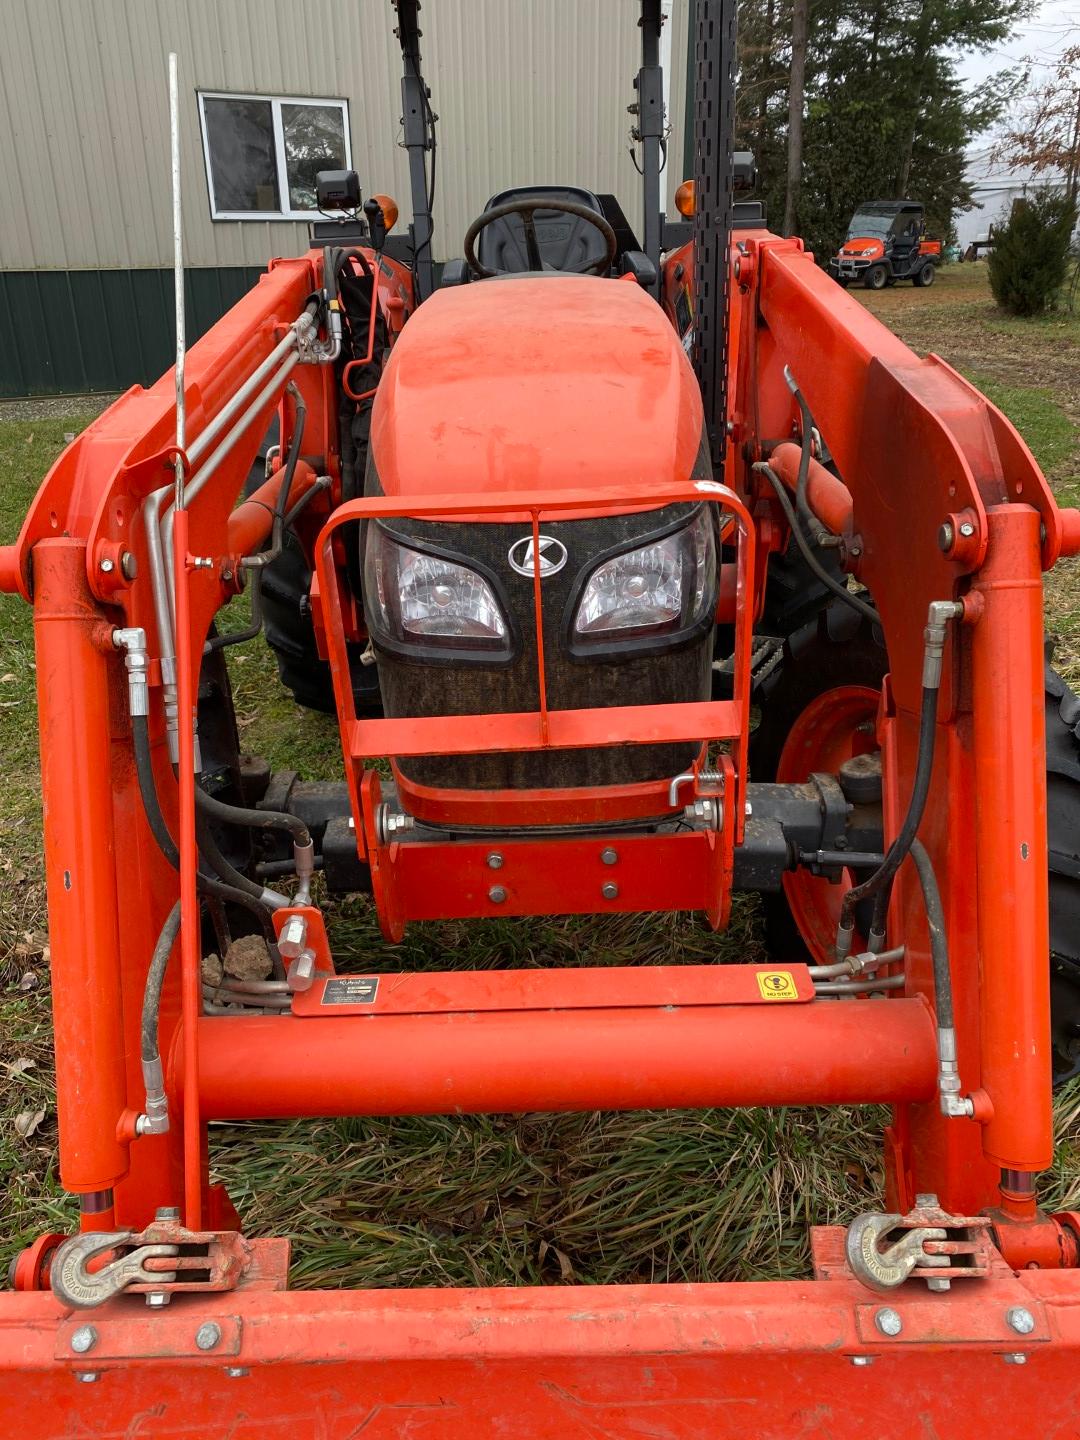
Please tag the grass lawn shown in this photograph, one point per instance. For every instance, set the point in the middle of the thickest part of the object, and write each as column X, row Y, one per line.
column 504, row 1200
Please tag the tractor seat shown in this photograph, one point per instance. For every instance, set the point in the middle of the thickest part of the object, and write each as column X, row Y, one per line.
column 566, row 242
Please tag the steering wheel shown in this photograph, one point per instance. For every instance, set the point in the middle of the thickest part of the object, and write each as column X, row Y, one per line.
column 527, row 209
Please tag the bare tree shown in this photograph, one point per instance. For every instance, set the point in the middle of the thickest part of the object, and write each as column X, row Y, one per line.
column 800, row 26
column 1045, row 134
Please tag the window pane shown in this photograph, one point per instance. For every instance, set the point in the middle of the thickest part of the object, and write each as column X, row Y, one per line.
column 243, row 168
column 314, row 141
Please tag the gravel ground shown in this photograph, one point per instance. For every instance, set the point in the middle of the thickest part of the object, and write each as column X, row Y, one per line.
column 54, row 407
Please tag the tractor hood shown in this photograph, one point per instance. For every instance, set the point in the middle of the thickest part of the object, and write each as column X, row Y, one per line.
column 535, row 382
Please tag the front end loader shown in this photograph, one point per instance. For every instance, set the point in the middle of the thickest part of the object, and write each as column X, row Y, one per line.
column 637, row 575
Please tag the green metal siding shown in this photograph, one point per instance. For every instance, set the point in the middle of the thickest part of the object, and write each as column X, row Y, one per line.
column 77, row 331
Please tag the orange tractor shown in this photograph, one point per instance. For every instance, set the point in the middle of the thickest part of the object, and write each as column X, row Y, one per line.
column 553, row 569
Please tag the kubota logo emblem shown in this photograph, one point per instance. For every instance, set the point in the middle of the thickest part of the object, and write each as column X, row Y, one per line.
column 522, row 556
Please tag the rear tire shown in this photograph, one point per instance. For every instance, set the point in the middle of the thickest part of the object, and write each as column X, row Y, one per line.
column 925, row 276
column 876, row 277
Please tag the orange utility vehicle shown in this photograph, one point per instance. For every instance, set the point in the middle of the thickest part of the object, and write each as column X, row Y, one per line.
column 555, row 568
column 886, row 242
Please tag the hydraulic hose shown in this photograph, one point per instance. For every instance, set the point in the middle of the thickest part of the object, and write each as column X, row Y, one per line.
column 802, row 506
column 303, row 845
column 840, row 591
column 939, row 945
column 940, row 613
column 263, row 558
column 155, row 1117
column 953, row 1103
column 252, row 819
column 208, row 884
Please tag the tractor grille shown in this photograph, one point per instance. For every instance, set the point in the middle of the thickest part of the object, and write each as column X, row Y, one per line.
column 681, row 672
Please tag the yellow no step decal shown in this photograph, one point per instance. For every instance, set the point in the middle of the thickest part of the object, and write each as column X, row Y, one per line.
column 777, row 985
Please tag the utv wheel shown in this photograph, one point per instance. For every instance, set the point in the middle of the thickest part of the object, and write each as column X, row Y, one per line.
column 875, row 277
column 925, row 276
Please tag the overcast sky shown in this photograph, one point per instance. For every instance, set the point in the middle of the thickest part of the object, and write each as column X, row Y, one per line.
column 1054, row 26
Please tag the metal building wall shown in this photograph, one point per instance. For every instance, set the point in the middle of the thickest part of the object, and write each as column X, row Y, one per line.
column 527, row 91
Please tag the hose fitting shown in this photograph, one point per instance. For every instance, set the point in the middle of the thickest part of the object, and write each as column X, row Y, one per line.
column 304, row 861
column 132, row 641
column 155, row 1117
column 954, row 1106
column 937, row 622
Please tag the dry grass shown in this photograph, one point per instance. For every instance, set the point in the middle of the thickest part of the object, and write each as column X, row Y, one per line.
column 510, row 1200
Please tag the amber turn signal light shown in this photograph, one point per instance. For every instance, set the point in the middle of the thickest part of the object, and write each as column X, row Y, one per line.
column 684, row 199
column 388, row 208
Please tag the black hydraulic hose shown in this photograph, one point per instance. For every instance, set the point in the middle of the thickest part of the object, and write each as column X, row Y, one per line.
column 939, row 945
column 920, row 789
column 155, row 979
column 237, row 637
column 207, row 884
column 208, row 848
column 253, row 819
column 263, row 558
column 802, row 505
column 840, row 591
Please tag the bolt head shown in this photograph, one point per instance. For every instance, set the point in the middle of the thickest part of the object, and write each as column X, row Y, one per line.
column 1016, row 1357
column 157, row 1299
column 609, row 856
column 207, row 1335
column 609, row 890
column 87, row 1377
column 862, row 1359
column 888, row 1321
column 84, row 1339
column 236, row 1372
column 106, row 566
column 495, row 861
column 497, row 894
column 938, row 1285
column 967, row 529
column 167, row 1212
column 1020, row 1319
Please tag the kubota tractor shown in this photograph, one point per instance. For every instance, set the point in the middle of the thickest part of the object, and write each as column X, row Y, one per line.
column 635, row 632
column 886, row 242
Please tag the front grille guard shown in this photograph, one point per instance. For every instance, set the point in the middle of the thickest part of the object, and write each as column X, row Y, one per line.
column 338, row 619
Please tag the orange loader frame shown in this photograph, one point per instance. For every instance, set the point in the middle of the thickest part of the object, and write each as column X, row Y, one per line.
column 940, row 500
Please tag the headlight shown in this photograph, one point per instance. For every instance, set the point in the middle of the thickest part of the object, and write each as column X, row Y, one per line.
column 664, row 590
column 420, row 600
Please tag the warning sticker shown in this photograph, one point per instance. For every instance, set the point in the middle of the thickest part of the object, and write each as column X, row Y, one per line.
column 777, row 985
column 351, row 990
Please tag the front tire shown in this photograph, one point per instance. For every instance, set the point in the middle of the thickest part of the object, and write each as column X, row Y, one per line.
column 876, row 277
column 925, row 276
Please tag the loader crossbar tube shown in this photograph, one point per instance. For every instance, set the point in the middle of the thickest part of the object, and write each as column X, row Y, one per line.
column 530, row 1059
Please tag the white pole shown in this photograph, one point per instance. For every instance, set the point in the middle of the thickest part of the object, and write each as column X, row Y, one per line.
column 178, row 271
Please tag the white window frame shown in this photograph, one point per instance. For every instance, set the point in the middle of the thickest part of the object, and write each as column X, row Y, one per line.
column 275, row 102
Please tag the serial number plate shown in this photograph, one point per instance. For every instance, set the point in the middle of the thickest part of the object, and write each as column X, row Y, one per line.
column 351, row 990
